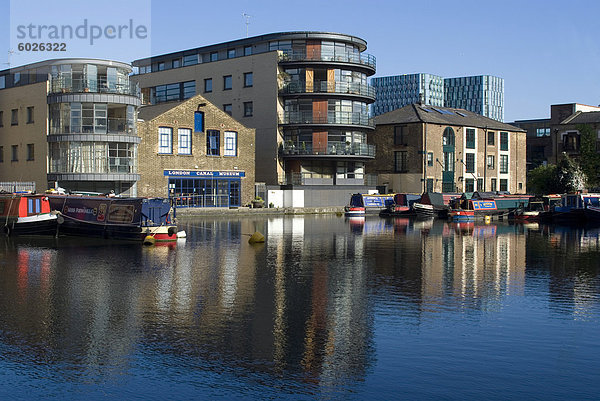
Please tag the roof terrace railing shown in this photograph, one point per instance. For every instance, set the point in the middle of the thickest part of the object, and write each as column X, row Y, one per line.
column 340, row 57
column 99, row 85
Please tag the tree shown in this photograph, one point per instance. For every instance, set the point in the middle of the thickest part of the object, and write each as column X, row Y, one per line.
column 589, row 157
column 543, row 180
column 570, row 176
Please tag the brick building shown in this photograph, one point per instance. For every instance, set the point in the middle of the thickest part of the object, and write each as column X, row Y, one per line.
column 195, row 153
column 547, row 138
column 426, row 148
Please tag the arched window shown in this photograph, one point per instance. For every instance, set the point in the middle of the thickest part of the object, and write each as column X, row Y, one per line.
column 448, row 138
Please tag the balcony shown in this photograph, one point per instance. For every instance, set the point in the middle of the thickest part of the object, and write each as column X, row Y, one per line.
column 100, row 85
column 334, row 117
column 345, row 88
column 327, row 179
column 356, row 150
column 364, row 59
column 120, row 126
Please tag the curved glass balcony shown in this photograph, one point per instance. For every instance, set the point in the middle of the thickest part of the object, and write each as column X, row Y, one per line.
column 351, row 58
column 330, row 87
column 78, row 157
column 329, row 149
column 100, row 85
column 334, row 117
column 343, row 179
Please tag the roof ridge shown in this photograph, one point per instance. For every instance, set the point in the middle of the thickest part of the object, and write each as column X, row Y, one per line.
column 418, row 112
column 571, row 117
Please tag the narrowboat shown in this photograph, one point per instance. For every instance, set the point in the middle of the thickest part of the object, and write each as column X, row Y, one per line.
column 470, row 209
column 98, row 216
column 362, row 204
column 434, row 204
column 26, row 214
column 577, row 209
column 148, row 220
column 531, row 212
column 402, row 205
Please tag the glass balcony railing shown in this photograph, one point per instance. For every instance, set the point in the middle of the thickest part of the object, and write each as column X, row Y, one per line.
column 100, row 85
column 103, row 126
column 329, row 149
column 327, row 179
column 329, row 87
column 333, row 117
column 352, row 58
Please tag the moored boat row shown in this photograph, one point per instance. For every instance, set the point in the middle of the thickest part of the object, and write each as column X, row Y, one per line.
column 127, row 219
column 467, row 207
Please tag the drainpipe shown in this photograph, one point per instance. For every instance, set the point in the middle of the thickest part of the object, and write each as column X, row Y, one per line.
column 424, row 155
column 485, row 145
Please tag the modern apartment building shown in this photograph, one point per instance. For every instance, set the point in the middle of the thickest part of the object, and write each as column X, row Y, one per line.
column 397, row 91
column 305, row 93
column 72, row 123
column 440, row 149
column 483, row 94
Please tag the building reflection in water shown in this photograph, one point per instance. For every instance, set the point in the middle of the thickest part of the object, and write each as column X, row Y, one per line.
column 568, row 257
column 304, row 304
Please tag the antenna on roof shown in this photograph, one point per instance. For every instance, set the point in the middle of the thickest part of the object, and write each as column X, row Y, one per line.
column 10, row 53
column 247, row 17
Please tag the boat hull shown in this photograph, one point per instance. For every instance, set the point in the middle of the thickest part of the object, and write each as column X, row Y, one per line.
column 41, row 224
column 458, row 216
column 394, row 211
column 98, row 217
column 161, row 233
column 354, row 211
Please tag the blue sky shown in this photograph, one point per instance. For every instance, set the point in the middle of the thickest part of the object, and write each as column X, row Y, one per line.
column 548, row 52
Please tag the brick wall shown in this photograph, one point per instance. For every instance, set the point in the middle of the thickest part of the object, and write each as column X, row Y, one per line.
column 151, row 166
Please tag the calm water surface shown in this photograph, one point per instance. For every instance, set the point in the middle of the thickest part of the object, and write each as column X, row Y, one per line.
column 326, row 308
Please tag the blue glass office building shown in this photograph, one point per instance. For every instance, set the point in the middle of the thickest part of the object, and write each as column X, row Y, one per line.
column 397, row 91
column 482, row 94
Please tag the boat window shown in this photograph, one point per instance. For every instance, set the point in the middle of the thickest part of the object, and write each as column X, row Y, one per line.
column 592, row 201
column 34, row 206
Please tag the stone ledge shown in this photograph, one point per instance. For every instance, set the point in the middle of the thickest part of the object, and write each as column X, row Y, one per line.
column 208, row 211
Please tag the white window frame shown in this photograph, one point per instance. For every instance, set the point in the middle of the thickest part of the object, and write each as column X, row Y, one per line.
column 184, row 141
column 230, row 138
column 165, row 140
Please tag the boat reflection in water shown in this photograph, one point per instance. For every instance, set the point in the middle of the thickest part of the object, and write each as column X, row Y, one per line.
column 323, row 308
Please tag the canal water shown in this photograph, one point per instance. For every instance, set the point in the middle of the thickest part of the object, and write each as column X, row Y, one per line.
column 327, row 308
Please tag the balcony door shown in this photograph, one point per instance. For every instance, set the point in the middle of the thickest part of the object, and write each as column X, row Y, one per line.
column 313, row 49
column 320, row 143
column 319, row 112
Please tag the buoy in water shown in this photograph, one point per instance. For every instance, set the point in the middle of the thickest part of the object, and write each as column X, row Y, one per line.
column 488, row 219
column 256, row 238
column 149, row 240
column 181, row 234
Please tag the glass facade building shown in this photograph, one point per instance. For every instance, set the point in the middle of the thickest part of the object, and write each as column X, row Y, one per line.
column 483, row 94
column 397, row 91
column 90, row 126
column 306, row 94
